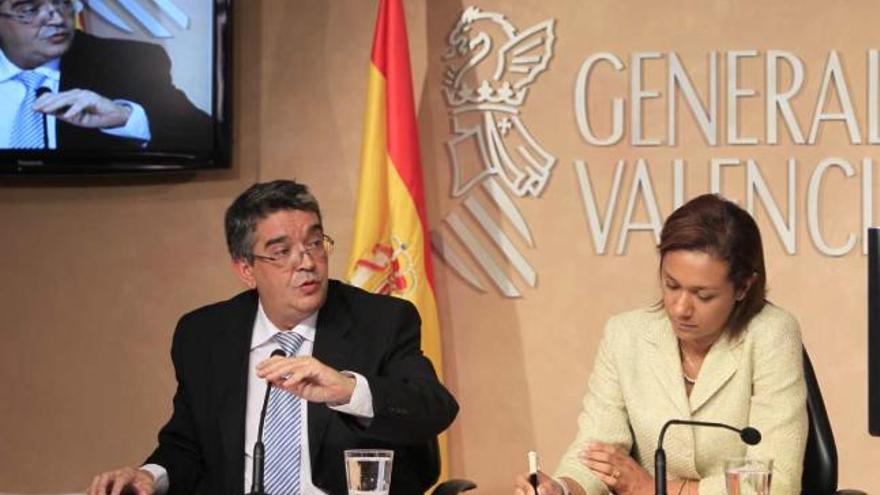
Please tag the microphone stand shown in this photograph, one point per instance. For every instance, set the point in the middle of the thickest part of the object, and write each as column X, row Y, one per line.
column 749, row 435
column 40, row 92
column 258, row 482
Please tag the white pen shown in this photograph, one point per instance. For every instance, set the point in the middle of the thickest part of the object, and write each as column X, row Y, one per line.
column 533, row 470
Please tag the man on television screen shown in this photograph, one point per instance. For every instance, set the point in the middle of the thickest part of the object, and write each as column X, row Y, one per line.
column 61, row 88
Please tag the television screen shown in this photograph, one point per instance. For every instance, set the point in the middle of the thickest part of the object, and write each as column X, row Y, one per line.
column 96, row 86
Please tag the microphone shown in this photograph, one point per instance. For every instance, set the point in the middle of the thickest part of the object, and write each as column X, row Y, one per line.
column 40, row 92
column 749, row 435
column 257, row 485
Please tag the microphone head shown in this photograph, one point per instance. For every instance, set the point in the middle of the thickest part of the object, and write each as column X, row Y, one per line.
column 42, row 90
column 279, row 352
column 750, row 435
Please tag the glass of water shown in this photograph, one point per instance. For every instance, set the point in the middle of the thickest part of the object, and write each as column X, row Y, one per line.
column 748, row 475
column 368, row 471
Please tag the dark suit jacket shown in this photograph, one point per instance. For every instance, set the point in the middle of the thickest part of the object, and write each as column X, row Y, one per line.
column 137, row 72
column 202, row 445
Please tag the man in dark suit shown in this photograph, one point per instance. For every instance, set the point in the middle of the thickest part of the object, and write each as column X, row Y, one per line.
column 129, row 71
column 112, row 94
column 360, row 376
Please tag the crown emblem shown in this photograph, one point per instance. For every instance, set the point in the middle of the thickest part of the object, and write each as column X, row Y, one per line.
column 519, row 59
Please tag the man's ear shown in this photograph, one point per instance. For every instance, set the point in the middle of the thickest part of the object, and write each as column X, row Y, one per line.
column 245, row 272
column 741, row 293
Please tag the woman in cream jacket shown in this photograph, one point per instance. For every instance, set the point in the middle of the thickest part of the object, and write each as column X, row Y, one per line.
column 713, row 350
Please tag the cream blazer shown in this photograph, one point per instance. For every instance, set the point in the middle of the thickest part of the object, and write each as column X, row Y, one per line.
column 636, row 385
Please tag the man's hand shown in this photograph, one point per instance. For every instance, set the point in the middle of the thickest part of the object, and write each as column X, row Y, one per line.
column 546, row 485
column 127, row 480
column 308, row 378
column 83, row 108
column 620, row 472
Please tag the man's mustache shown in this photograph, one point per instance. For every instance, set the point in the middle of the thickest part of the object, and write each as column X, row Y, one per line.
column 46, row 32
column 298, row 278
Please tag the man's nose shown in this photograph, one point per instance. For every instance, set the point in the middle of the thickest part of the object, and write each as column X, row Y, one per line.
column 52, row 13
column 307, row 261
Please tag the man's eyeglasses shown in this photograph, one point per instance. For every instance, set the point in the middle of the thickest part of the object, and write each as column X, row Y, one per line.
column 28, row 11
column 287, row 257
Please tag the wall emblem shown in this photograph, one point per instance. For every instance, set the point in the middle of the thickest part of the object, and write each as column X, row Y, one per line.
column 490, row 66
column 133, row 9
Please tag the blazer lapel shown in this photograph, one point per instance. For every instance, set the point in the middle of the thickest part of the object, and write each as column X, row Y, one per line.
column 718, row 367
column 229, row 362
column 666, row 364
column 333, row 347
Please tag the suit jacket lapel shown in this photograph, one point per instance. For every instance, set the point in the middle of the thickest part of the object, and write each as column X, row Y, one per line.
column 229, row 362
column 666, row 364
column 718, row 367
column 333, row 347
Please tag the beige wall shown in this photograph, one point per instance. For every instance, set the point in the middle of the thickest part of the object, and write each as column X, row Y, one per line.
column 97, row 271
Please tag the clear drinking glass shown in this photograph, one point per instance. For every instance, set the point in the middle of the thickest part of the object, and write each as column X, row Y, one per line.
column 368, row 471
column 748, row 475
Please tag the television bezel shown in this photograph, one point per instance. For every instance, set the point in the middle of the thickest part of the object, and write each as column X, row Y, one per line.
column 874, row 331
column 15, row 162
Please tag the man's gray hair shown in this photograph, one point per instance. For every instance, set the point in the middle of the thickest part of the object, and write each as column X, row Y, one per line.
column 258, row 202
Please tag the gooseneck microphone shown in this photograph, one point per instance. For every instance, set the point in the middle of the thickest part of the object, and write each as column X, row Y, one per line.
column 257, row 485
column 40, row 92
column 749, row 435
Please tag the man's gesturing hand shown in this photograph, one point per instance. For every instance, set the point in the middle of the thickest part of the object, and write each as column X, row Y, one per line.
column 308, row 378
column 83, row 108
column 127, row 480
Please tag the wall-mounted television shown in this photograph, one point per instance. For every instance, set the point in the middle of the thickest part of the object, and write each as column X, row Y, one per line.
column 874, row 331
column 107, row 86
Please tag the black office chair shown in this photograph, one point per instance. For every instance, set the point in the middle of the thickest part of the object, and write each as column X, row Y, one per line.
column 820, row 458
column 448, row 487
column 453, row 487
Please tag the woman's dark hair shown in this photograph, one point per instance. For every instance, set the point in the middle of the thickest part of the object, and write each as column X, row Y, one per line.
column 716, row 226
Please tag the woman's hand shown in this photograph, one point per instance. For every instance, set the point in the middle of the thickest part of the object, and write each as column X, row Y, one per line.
column 546, row 485
column 620, row 472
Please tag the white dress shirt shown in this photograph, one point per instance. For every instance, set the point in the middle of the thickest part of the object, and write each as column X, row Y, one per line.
column 13, row 92
column 262, row 345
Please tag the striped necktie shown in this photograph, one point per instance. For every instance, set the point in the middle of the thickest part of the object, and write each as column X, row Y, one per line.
column 283, row 430
column 27, row 130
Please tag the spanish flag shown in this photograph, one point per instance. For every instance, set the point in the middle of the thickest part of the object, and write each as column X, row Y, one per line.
column 80, row 19
column 390, row 252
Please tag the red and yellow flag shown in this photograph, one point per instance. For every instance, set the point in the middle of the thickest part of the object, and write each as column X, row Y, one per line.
column 80, row 18
column 390, row 253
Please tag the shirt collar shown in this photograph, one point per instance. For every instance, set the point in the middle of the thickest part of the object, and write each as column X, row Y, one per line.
column 8, row 70
column 265, row 330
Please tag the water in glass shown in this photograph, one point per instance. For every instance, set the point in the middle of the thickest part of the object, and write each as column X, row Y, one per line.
column 748, row 476
column 368, row 471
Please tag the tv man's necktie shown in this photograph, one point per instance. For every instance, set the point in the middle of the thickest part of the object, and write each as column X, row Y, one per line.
column 27, row 130
column 283, row 430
